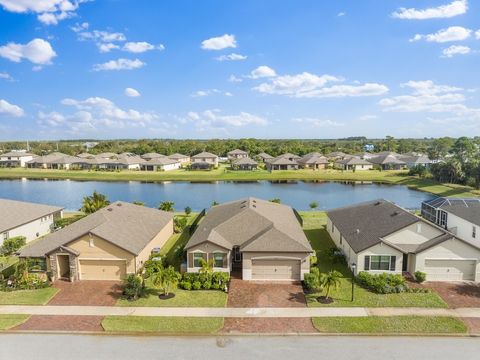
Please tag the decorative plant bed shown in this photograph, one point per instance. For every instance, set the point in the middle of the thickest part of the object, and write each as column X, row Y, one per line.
column 324, row 300
column 166, row 297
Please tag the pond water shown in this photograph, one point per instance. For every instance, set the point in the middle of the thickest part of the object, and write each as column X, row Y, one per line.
column 299, row 194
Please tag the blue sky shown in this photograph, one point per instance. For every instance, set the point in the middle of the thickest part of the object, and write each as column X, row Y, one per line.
column 230, row 69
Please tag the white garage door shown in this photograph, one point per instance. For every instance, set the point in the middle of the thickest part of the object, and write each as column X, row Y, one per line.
column 275, row 269
column 450, row 270
column 102, row 269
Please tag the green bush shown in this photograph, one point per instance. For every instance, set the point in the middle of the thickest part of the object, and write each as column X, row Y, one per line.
column 133, row 287
column 207, row 285
column 12, row 245
column 337, row 256
column 420, row 276
column 186, row 285
column 179, row 224
column 313, row 260
column 197, row 285
column 383, row 283
column 207, row 281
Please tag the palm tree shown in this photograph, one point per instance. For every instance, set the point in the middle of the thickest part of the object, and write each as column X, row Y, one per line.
column 313, row 205
column 91, row 204
column 330, row 280
column 167, row 206
column 206, row 267
column 167, row 279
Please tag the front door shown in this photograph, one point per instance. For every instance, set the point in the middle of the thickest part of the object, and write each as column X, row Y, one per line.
column 63, row 266
column 237, row 255
column 405, row 262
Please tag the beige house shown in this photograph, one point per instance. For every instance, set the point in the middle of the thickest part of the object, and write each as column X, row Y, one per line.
column 55, row 160
column 18, row 218
column 313, row 161
column 160, row 164
column 237, row 154
column 378, row 236
column 354, row 164
column 204, row 160
column 105, row 245
column 182, row 159
column 259, row 239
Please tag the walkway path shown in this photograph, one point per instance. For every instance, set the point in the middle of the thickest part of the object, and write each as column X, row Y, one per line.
column 235, row 312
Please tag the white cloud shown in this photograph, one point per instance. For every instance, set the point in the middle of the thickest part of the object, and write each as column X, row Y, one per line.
column 220, row 42
column 310, row 85
column 477, row 34
column 50, row 12
column 100, row 35
column 119, row 64
column 107, row 47
column 203, row 93
column 453, row 33
column 319, row 123
column 456, row 50
column 340, row 14
column 141, row 46
column 6, row 76
column 457, row 7
column 368, row 117
column 8, row 109
column 234, row 79
column 262, row 71
column 131, row 92
column 214, row 119
column 231, row 57
column 37, row 51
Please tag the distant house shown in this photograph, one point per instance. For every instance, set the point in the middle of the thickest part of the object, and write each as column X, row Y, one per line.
column 353, row 163
column 15, row 158
column 85, row 156
column 182, row 159
column 160, row 164
column 313, row 160
column 204, row 160
column 290, row 156
column 18, row 218
column 336, row 155
column 365, row 155
column 106, row 245
column 55, row 160
column 237, row 154
column 387, row 161
column 260, row 239
column 150, row 156
column 459, row 216
column 264, row 157
column 281, row 163
column 412, row 161
column 369, row 147
column 380, row 237
column 244, row 164
column 124, row 162
column 106, row 155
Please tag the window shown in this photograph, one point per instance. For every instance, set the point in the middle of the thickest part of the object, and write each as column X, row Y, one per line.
column 218, row 259
column 380, row 262
column 474, row 231
column 197, row 257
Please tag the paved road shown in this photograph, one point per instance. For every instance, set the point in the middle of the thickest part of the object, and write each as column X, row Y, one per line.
column 75, row 347
column 235, row 312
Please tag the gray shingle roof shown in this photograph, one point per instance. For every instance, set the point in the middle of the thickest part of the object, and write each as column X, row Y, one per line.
column 385, row 160
column 178, row 156
column 15, row 213
column 237, row 152
column 16, row 154
column 254, row 225
column 353, row 161
column 160, row 161
column 264, row 156
column 313, row 158
column 130, row 227
column 205, row 154
column 467, row 209
column 245, row 161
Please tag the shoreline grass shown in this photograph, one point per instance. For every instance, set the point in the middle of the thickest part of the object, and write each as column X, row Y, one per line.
column 156, row 324
column 390, row 325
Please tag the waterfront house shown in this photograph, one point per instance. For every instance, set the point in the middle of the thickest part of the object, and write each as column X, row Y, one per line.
column 237, row 154
column 18, row 218
column 379, row 236
column 106, row 245
column 55, row 160
column 336, row 155
column 313, row 161
column 259, row 239
column 15, row 158
column 281, row 163
column 204, row 160
column 244, row 164
column 150, row 156
column 412, row 161
column 264, row 157
column 182, row 159
column 387, row 161
column 353, row 163
column 160, row 164
column 459, row 216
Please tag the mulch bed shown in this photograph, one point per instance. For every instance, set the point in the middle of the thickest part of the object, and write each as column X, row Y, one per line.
column 62, row 323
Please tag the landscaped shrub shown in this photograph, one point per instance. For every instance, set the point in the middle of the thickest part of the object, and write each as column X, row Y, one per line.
column 312, row 279
column 420, row 276
column 207, row 281
column 12, row 245
column 383, row 283
column 186, row 285
column 207, row 285
column 179, row 224
column 337, row 256
column 197, row 285
column 313, row 260
column 133, row 287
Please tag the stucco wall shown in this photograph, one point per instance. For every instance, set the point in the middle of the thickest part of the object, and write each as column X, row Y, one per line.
column 343, row 245
column 304, row 259
column 380, row 249
column 417, row 233
column 158, row 241
column 463, row 229
column 208, row 249
column 41, row 226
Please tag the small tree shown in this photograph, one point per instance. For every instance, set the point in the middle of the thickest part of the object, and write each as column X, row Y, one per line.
column 276, row 201
column 167, row 206
column 140, row 203
column 133, row 287
column 206, row 267
column 188, row 210
column 91, row 204
column 167, row 279
column 12, row 245
column 330, row 280
column 179, row 224
column 313, row 205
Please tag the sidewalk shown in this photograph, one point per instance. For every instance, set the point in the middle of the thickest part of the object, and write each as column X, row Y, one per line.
column 236, row 312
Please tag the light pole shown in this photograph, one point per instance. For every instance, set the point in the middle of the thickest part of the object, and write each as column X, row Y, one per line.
column 354, row 266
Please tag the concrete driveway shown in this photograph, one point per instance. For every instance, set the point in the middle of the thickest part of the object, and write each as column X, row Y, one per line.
column 457, row 294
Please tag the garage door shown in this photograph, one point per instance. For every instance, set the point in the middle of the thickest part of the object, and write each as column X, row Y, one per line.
column 275, row 269
column 450, row 270
column 102, row 269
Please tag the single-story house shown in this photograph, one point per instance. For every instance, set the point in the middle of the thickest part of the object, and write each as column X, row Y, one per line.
column 106, row 245
column 387, row 162
column 313, row 160
column 182, row 159
column 237, row 154
column 281, row 163
column 107, row 155
column 85, row 155
column 244, row 164
column 150, row 156
column 126, row 162
column 15, row 158
column 336, row 155
column 412, row 161
column 160, row 164
column 264, row 157
column 205, row 157
column 261, row 239
column 353, row 163
column 379, row 236
column 18, row 218
column 55, row 160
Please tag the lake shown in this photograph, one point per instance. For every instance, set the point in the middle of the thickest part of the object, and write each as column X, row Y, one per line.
column 299, row 194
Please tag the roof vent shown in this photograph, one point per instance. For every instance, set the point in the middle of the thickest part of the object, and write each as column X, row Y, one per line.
column 357, row 231
column 395, row 213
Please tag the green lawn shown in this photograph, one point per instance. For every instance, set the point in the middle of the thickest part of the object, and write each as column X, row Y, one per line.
column 390, row 325
column 162, row 324
column 27, row 297
column 314, row 227
column 11, row 320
